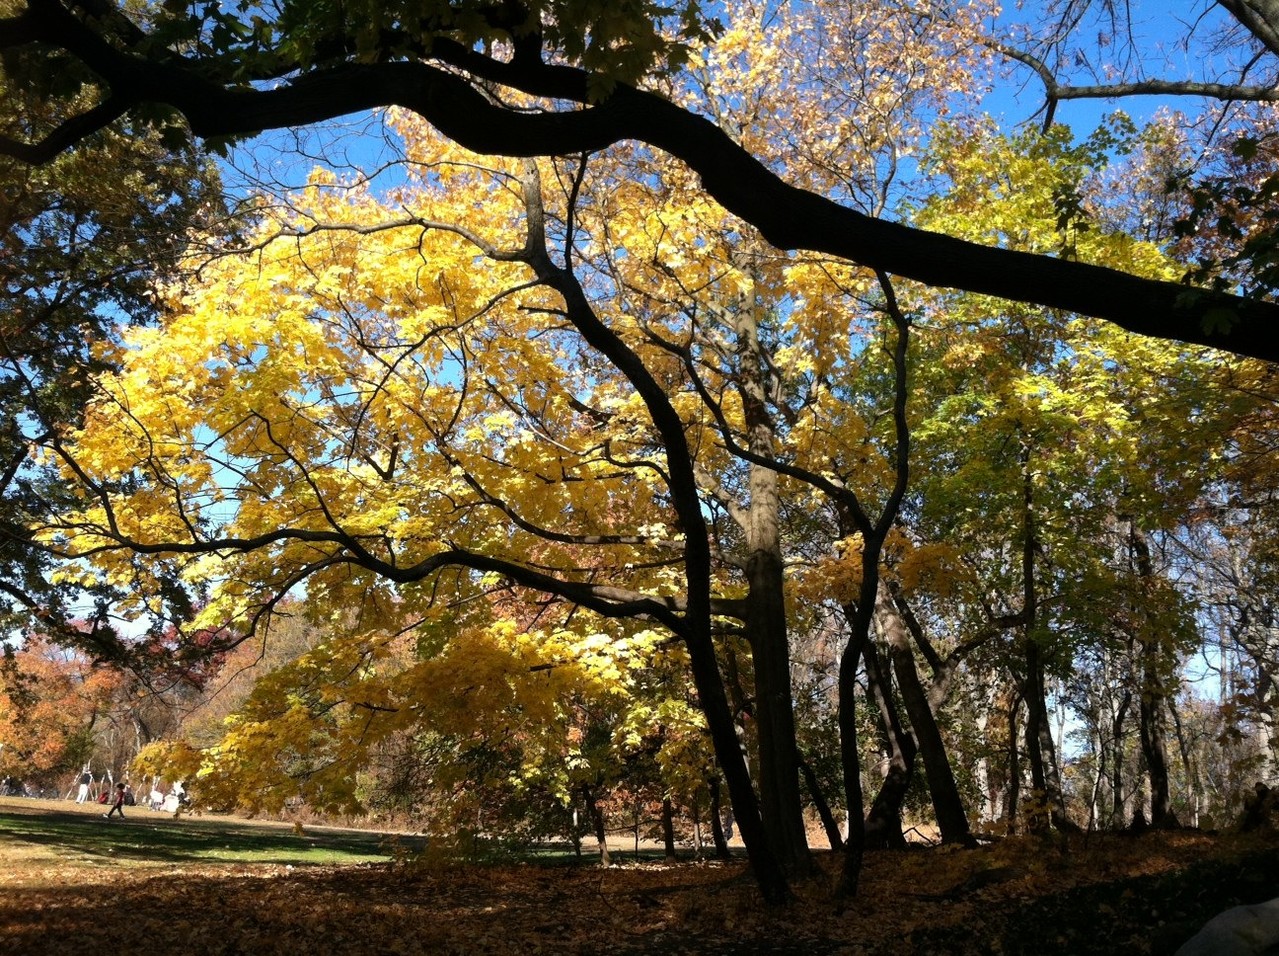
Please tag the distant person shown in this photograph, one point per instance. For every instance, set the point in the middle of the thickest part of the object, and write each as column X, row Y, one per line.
column 157, row 798
column 86, row 779
column 118, row 806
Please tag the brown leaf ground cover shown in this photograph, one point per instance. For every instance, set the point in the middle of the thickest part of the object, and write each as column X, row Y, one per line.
column 71, row 882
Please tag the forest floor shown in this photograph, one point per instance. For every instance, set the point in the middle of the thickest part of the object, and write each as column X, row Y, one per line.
column 73, row 882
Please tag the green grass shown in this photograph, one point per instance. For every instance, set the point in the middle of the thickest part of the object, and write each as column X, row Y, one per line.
column 55, row 830
column 143, row 836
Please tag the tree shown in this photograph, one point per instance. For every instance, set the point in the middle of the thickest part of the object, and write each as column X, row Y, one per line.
column 83, row 242
column 50, row 701
column 1061, row 445
column 735, row 304
column 322, row 66
column 404, row 437
column 323, row 452
column 378, row 348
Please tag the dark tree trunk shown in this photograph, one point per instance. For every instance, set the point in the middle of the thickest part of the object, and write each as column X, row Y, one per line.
column 884, row 820
column 855, row 847
column 948, row 806
column 1151, row 702
column 1153, row 726
column 859, row 618
column 829, row 824
column 1040, row 751
column 597, row 823
column 1039, row 815
column 766, row 631
column 1095, row 796
column 668, row 829
column 1012, row 798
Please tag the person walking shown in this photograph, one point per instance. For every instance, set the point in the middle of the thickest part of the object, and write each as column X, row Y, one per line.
column 118, row 806
column 86, row 778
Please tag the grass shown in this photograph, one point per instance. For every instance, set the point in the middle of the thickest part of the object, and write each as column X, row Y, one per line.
column 62, row 831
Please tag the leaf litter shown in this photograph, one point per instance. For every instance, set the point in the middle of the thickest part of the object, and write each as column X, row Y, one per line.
column 1096, row 893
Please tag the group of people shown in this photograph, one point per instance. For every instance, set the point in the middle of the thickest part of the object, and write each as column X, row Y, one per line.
column 123, row 796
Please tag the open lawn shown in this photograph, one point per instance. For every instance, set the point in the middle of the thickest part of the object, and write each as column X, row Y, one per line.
column 71, row 881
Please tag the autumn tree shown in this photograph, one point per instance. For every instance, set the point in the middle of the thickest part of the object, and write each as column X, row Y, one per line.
column 1086, row 478
column 736, row 299
column 445, row 434
column 326, row 64
column 83, row 240
column 52, row 701
column 327, row 448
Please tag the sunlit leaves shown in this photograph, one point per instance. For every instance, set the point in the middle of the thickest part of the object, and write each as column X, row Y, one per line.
column 49, row 700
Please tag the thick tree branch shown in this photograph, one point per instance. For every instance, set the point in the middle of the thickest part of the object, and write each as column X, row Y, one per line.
column 1219, row 91
column 788, row 217
column 1258, row 17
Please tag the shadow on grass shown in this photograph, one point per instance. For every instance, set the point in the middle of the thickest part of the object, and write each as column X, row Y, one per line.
column 143, row 835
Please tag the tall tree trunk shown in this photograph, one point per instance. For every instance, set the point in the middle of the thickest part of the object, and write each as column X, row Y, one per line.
column 1037, row 733
column 717, row 824
column 766, row 632
column 1041, row 752
column 765, row 616
column 668, row 829
column 1152, row 721
column 989, row 779
column 1094, row 798
column 829, row 823
column 1153, row 748
column 850, row 760
column 989, row 811
column 1117, row 798
column 948, row 806
column 596, row 814
column 1012, row 795
column 884, row 820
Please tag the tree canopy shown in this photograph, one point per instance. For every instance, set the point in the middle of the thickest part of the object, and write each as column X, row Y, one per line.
column 685, row 402
column 242, row 75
